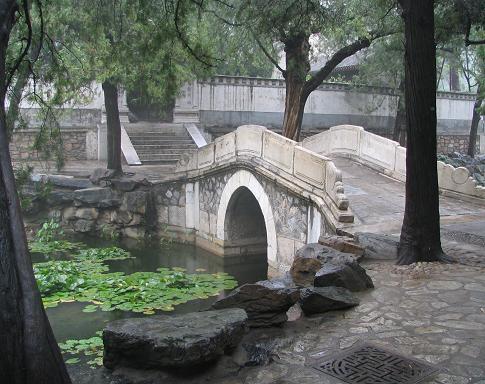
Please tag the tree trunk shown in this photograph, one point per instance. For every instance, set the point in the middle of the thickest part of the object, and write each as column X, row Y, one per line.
column 472, row 141
column 113, row 126
column 454, row 79
column 399, row 132
column 297, row 50
column 298, row 88
column 30, row 353
column 420, row 233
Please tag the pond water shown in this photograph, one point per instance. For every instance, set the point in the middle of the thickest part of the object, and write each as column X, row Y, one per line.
column 70, row 322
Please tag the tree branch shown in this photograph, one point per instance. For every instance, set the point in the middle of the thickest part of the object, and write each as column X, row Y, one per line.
column 203, row 58
column 267, row 54
column 25, row 6
column 335, row 60
column 468, row 28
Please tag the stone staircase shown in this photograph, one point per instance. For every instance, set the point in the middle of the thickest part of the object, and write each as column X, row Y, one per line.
column 160, row 143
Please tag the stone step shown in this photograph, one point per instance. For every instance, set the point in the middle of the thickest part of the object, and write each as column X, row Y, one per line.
column 159, row 158
column 160, row 142
column 168, row 128
column 161, row 147
column 174, row 151
column 169, row 162
column 159, row 137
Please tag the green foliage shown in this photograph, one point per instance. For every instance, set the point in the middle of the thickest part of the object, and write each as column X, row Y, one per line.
column 86, row 278
column 54, row 247
column 102, row 254
column 49, row 231
column 22, row 178
column 90, row 281
column 107, row 232
column 91, row 348
column 41, row 191
column 48, row 242
column 59, row 279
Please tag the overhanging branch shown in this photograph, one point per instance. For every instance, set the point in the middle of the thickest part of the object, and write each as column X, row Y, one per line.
column 335, row 60
column 267, row 54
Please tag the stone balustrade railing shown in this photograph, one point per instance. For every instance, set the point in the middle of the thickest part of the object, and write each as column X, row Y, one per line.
column 263, row 151
column 280, row 83
column 388, row 157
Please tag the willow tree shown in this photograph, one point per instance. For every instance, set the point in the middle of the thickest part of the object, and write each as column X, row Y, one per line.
column 30, row 353
column 131, row 45
column 336, row 28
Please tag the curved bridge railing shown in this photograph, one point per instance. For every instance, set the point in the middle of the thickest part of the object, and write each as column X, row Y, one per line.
column 388, row 157
column 285, row 161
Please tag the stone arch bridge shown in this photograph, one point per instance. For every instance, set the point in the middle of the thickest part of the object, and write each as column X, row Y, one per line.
column 254, row 191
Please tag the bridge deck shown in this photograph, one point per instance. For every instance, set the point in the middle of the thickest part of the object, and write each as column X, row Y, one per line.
column 378, row 205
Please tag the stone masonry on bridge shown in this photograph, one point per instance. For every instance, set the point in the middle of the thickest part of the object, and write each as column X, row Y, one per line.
column 251, row 183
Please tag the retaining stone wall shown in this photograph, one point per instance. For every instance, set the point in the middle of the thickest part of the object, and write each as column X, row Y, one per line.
column 454, row 143
column 78, row 144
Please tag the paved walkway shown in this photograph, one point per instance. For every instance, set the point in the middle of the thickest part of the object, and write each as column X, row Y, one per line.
column 432, row 312
column 378, row 205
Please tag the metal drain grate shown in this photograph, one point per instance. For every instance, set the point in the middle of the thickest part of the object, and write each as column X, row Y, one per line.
column 369, row 364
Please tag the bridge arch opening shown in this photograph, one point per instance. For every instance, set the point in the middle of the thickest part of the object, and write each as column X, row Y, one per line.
column 245, row 219
column 244, row 225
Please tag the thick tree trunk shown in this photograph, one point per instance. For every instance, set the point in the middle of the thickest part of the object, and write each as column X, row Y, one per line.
column 113, row 126
column 297, row 51
column 298, row 88
column 420, row 233
column 30, row 353
column 472, row 141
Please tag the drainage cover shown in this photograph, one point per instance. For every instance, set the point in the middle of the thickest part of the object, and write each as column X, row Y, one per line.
column 369, row 364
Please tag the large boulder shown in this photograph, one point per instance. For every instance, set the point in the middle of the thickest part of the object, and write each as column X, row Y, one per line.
column 381, row 247
column 172, row 341
column 266, row 302
column 311, row 258
column 349, row 275
column 323, row 299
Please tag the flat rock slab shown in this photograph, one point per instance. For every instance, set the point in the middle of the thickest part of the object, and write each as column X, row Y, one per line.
column 69, row 182
column 266, row 302
column 315, row 300
column 179, row 341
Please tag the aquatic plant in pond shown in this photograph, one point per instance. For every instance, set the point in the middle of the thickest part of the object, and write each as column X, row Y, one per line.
column 85, row 278
column 90, row 281
column 91, row 348
column 48, row 242
column 101, row 254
